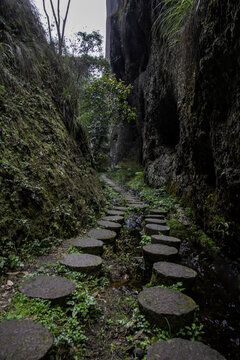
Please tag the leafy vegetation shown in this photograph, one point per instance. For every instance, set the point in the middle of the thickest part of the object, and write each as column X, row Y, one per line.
column 170, row 16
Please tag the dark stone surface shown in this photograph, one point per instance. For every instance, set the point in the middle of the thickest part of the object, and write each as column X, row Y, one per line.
column 160, row 303
column 138, row 205
column 24, row 340
column 166, row 240
column 118, row 219
column 155, row 221
column 157, row 212
column 110, row 225
column 88, row 245
column 82, row 262
column 115, row 212
column 107, row 236
column 121, row 208
column 180, row 349
column 155, row 252
column 152, row 216
column 47, row 287
column 166, row 273
column 152, row 229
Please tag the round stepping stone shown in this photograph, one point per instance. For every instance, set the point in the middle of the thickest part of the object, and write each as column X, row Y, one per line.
column 107, row 236
column 82, row 262
column 154, row 229
column 157, row 212
column 47, row 287
column 180, row 349
column 159, row 304
column 118, row 219
column 156, row 252
column 155, row 221
column 166, row 240
column 154, row 216
column 110, row 225
column 166, row 273
column 24, row 340
column 115, row 212
column 88, row 245
column 122, row 208
column 138, row 206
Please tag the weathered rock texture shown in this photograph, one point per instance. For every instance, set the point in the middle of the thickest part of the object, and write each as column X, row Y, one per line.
column 187, row 98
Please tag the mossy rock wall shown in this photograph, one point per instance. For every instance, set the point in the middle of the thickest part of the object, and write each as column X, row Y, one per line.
column 47, row 184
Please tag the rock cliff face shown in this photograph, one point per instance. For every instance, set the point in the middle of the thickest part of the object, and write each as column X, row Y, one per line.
column 47, row 186
column 188, row 129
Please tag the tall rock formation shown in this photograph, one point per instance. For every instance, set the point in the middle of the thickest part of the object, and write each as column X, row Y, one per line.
column 187, row 96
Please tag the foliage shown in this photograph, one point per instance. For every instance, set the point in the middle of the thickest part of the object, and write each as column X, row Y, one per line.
column 171, row 15
column 104, row 105
column 145, row 240
column 125, row 170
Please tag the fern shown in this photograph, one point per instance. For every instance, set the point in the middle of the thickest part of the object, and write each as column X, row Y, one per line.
column 171, row 15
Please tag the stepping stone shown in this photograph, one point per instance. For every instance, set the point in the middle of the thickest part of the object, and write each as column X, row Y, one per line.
column 157, row 212
column 122, row 208
column 166, row 240
column 24, row 340
column 155, row 221
column 107, row 236
column 118, row 219
column 82, row 262
column 162, row 306
column 166, row 273
column 54, row 288
column 110, row 225
column 115, row 212
column 156, row 252
column 180, row 349
column 88, row 245
column 154, row 229
column 154, row 216
column 138, row 206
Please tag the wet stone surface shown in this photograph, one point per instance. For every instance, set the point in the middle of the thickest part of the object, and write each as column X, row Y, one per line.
column 159, row 304
column 155, row 221
column 82, row 262
column 115, row 212
column 88, row 245
column 166, row 240
column 110, row 225
column 154, row 229
column 165, row 273
column 156, row 252
column 180, row 349
column 24, row 340
column 118, row 219
column 107, row 236
column 47, row 287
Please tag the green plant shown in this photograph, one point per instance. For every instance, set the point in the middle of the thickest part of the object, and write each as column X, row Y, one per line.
column 192, row 332
column 171, row 15
column 145, row 240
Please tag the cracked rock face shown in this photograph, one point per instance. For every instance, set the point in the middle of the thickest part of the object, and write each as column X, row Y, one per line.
column 187, row 131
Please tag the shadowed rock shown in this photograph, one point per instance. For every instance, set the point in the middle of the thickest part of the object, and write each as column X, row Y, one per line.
column 118, row 219
column 88, row 245
column 180, row 349
column 115, row 212
column 110, row 225
column 107, row 236
column 82, row 262
column 166, row 240
column 165, row 273
column 24, row 340
column 155, row 221
column 156, row 252
column 159, row 304
column 152, row 216
column 121, row 208
column 158, row 212
column 47, row 287
column 154, row 229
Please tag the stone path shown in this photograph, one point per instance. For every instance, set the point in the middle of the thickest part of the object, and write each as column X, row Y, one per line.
column 25, row 339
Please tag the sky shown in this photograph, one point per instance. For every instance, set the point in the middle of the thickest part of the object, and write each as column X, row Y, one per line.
column 84, row 15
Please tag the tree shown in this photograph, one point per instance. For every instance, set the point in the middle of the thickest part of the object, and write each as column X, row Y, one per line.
column 104, row 105
column 60, row 23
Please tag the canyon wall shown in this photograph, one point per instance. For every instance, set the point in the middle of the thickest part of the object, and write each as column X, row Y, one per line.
column 187, row 133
